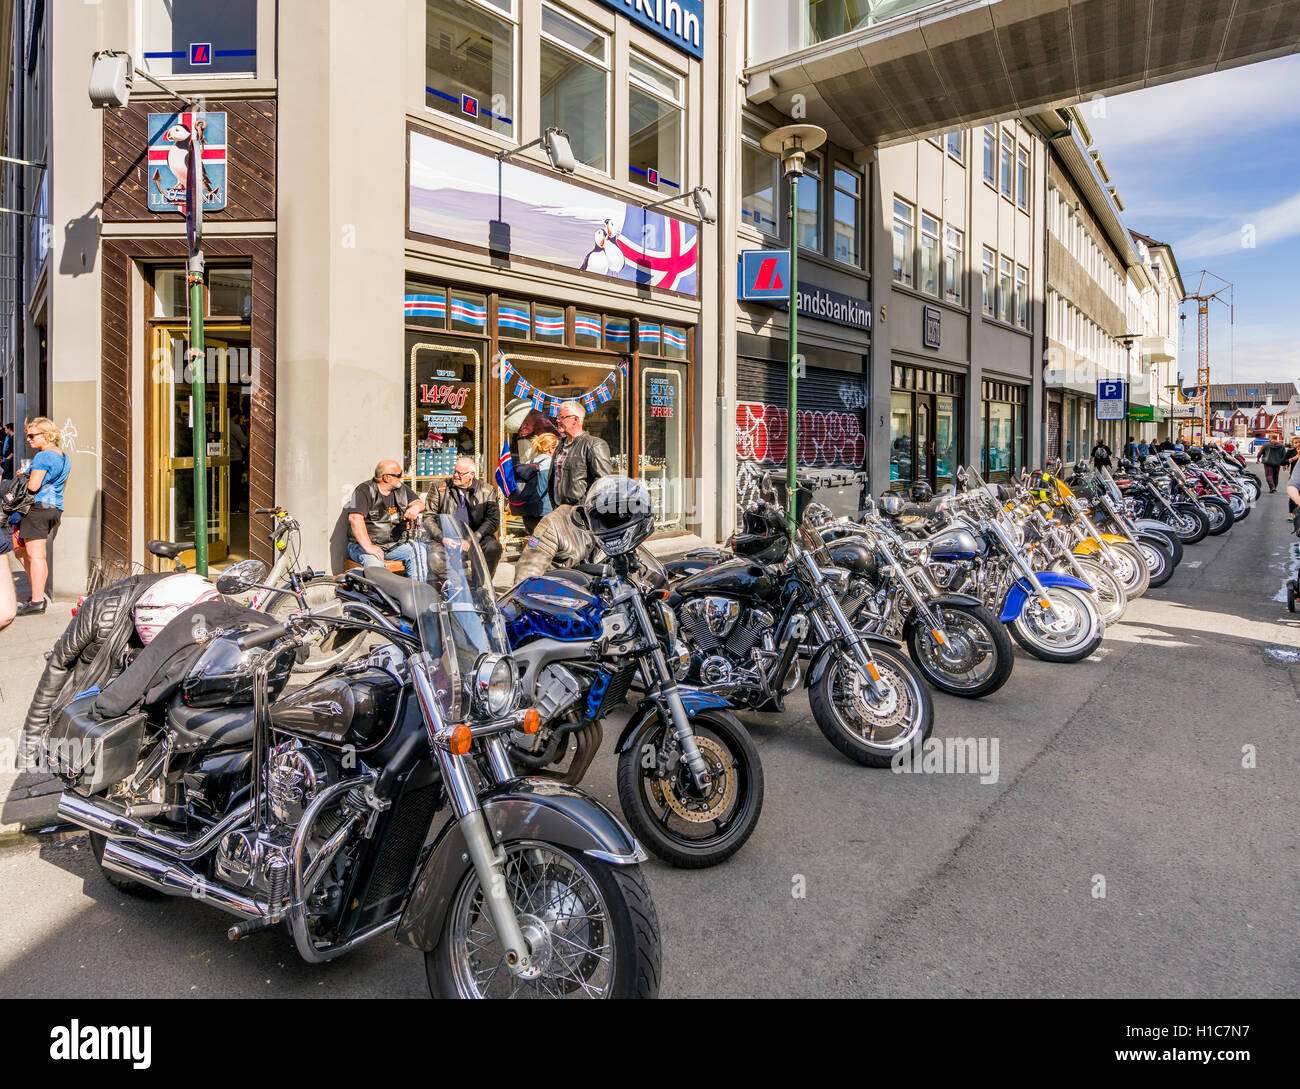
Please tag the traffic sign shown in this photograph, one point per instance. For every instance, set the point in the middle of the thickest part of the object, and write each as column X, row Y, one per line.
column 1110, row 399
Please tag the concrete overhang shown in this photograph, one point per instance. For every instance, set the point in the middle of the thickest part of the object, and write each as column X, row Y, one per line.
column 963, row 62
column 1158, row 349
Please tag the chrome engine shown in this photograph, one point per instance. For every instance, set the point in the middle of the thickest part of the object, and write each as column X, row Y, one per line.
column 555, row 691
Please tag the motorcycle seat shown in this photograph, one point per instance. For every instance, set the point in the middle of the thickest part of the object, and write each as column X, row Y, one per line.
column 168, row 550
column 199, row 728
column 411, row 597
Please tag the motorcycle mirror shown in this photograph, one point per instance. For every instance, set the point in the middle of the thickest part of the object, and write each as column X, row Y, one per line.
column 241, row 577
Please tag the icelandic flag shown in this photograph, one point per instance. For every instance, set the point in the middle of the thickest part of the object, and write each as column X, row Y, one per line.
column 622, row 367
column 505, row 475
column 602, row 393
column 507, row 371
column 588, row 401
column 553, row 408
column 523, row 387
column 537, row 397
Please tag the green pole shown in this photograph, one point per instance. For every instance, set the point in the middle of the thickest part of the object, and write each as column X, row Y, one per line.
column 792, row 375
column 198, row 413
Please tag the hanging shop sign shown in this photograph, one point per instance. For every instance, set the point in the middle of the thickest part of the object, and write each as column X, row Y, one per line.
column 509, row 211
column 930, row 330
column 171, row 146
column 678, row 22
column 545, row 402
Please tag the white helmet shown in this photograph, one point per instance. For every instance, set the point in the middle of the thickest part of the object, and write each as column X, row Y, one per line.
column 160, row 604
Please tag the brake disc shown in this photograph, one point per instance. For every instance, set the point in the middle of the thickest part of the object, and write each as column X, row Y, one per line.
column 889, row 709
column 722, row 789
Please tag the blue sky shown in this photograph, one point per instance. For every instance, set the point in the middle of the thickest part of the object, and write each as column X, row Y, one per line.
column 1195, row 163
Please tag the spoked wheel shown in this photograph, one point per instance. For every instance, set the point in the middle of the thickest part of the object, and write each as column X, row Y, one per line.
column 1189, row 523
column 1219, row 516
column 1130, row 568
column 1071, row 632
column 591, row 929
column 1240, row 508
column 873, row 729
column 1111, row 599
column 684, row 824
column 975, row 659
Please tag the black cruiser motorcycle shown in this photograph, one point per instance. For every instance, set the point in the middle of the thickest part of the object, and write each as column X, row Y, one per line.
column 379, row 799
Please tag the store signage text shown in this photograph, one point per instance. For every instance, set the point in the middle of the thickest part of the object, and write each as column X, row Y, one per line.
column 931, row 331
column 678, row 22
column 444, row 395
column 765, row 278
column 662, row 395
column 170, row 155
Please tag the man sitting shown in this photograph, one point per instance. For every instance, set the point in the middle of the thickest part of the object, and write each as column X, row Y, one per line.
column 473, row 504
column 380, row 515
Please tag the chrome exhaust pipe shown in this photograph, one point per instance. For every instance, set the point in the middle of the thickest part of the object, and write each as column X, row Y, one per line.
column 176, row 879
column 113, row 822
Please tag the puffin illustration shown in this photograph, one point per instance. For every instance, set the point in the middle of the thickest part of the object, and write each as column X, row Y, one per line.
column 182, row 142
column 605, row 258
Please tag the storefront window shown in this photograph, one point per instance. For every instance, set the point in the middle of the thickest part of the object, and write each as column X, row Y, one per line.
column 900, row 436
column 674, row 342
column 549, row 323
column 444, row 408
column 425, row 305
column 469, row 62
column 663, row 439
column 169, row 297
column 654, row 125
column 648, row 337
column 230, row 293
column 618, row 335
column 586, row 330
column 998, row 462
column 514, row 319
column 574, row 84
column 468, row 311
column 945, row 435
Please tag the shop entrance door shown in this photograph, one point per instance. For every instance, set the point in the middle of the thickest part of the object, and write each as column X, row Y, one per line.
column 171, row 511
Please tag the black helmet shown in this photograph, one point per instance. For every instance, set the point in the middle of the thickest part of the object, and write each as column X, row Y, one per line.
column 891, row 504
column 619, row 513
column 1195, row 453
column 921, row 491
column 1182, row 458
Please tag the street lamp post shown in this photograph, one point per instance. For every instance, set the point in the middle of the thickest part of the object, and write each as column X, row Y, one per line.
column 792, row 143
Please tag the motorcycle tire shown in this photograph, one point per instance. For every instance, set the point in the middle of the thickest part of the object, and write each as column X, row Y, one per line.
column 1290, row 595
column 907, row 699
column 1159, row 561
column 1220, row 519
column 1071, row 637
column 328, row 648
column 1132, row 570
column 628, row 922
column 123, row 884
column 975, row 624
column 650, row 802
column 1240, row 506
column 1192, row 525
column 1166, row 539
column 1109, row 596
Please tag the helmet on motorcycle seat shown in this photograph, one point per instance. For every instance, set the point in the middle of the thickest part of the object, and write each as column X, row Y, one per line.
column 1195, row 453
column 921, row 491
column 1229, row 447
column 165, row 599
column 1181, row 458
column 891, row 504
column 1151, row 463
column 619, row 513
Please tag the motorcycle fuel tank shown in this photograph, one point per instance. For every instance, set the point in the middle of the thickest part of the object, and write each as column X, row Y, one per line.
column 956, row 543
column 543, row 607
column 733, row 577
column 854, row 555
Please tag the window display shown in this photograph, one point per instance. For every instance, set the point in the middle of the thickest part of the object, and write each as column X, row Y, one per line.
column 444, row 409
column 662, row 464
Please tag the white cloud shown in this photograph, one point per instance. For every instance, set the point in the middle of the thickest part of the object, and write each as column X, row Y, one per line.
column 1206, row 110
column 1260, row 228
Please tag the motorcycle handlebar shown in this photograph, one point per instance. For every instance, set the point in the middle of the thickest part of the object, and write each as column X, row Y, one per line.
column 269, row 634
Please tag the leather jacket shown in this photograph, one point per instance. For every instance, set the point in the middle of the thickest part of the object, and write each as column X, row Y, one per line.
column 585, row 460
column 480, row 501
column 91, row 651
column 556, row 542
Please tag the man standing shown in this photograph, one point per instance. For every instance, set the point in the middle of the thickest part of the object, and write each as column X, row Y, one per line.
column 581, row 460
column 7, row 453
column 1272, row 454
column 474, row 505
column 380, row 515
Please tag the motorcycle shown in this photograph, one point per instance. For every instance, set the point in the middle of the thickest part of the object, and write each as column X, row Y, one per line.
column 746, row 620
column 312, row 810
column 1147, row 492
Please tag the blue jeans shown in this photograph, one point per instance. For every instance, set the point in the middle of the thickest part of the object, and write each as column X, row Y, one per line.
column 411, row 554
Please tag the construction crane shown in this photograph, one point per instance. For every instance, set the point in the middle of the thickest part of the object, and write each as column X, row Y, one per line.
column 1203, row 296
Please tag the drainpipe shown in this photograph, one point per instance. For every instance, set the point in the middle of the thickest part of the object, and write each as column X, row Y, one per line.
column 726, row 275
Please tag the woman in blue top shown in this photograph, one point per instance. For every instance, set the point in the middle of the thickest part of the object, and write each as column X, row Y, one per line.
column 46, row 478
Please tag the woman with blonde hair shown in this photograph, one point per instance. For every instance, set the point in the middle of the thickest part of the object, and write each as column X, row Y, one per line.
column 45, row 480
column 531, row 499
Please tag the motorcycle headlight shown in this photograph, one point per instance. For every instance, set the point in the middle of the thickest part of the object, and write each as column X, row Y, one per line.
column 495, row 682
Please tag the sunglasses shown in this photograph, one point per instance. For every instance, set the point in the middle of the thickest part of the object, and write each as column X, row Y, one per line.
column 387, row 475
column 568, row 416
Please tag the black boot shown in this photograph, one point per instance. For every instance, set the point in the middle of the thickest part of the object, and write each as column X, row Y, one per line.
column 32, row 608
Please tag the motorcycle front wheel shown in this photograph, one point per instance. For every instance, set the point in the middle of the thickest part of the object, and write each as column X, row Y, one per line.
column 1189, row 523
column 873, row 730
column 1220, row 516
column 1072, row 634
column 1111, row 598
column 591, row 929
column 1159, row 562
column 670, row 815
column 1130, row 567
column 975, row 660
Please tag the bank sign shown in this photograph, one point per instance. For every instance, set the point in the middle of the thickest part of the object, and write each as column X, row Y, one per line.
column 765, row 277
column 678, row 22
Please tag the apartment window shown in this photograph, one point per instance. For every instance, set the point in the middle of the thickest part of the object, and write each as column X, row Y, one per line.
column 929, row 254
column 759, row 185
column 990, row 151
column 655, row 125
column 575, row 85
column 1022, row 177
column 1022, row 296
column 808, row 217
column 903, row 220
column 954, row 142
column 1008, row 157
column 1004, row 289
column 847, row 211
column 953, row 272
column 199, row 38
column 989, row 270
column 469, row 62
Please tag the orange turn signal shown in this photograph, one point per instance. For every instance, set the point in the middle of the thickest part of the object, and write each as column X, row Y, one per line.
column 460, row 740
column 938, row 637
column 532, row 721
column 1044, row 603
column 875, row 673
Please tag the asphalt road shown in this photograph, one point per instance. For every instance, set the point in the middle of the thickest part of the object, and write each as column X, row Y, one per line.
column 1123, row 773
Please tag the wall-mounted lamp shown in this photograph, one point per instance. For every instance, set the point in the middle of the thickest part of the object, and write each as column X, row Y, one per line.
column 555, row 142
column 705, row 206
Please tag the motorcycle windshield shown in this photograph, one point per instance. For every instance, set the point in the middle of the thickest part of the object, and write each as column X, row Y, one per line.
column 461, row 622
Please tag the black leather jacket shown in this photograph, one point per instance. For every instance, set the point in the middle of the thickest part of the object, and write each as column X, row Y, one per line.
column 585, row 462
column 91, row 651
column 480, row 501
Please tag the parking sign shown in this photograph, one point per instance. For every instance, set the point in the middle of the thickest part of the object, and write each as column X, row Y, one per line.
column 1110, row 399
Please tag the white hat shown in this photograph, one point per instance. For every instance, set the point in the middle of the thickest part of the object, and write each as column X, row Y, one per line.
column 166, row 598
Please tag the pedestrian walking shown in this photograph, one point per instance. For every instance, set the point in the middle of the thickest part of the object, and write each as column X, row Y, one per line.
column 1101, row 455
column 1130, row 448
column 37, row 527
column 1272, row 454
column 581, row 459
column 8, row 597
column 7, row 453
column 380, row 515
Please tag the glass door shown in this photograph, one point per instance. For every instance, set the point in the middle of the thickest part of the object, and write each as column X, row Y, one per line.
column 924, row 439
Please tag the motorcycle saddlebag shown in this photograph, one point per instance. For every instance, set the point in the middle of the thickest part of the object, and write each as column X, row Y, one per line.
column 97, row 753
